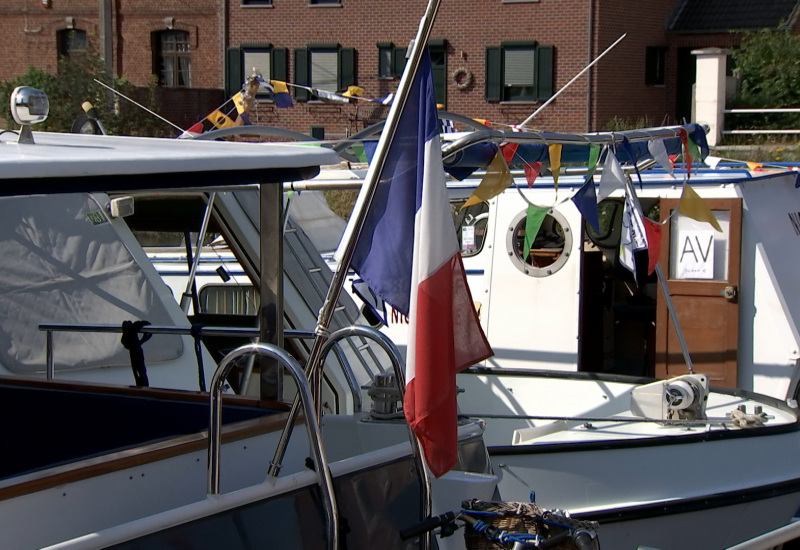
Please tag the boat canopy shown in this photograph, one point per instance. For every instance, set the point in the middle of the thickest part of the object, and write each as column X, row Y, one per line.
column 466, row 152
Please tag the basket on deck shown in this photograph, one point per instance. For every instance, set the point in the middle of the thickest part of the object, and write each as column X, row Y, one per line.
column 520, row 518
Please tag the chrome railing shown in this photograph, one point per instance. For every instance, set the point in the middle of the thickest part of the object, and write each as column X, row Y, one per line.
column 242, row 332
column 312, row 426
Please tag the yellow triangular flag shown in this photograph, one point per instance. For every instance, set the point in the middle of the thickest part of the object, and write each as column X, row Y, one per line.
column 693, row 206
column 754, row 165
column 555, row 162
column 219, row 119
column 497, row 178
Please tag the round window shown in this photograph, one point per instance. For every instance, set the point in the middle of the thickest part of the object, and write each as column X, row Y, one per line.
column 546, row 252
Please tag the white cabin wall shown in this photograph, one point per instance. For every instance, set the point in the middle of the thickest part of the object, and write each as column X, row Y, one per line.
column 534, row 320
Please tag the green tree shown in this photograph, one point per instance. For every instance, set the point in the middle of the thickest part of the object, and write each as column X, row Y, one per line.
column 768, row 65
column 74, row 83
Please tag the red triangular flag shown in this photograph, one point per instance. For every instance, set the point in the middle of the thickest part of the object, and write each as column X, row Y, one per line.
column 532, row 172
column 652, row 231
column 687, row 157
column 509, row 150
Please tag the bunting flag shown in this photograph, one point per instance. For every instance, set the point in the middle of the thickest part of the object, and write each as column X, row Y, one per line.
column 532, row 172
column 594, row 157
column 693, row 206
column 754, row 165
column 533, row 222
column 353, row 91
column 280, row 94
column 712, row 162
column 330, row 97
column 613, row 177
column 554, row 151
column 218, row 119
column 652, row 232
column 384, row 100
column 422, row 277
column 659, row 152
column 586, row 202
column 634, row 236
column 495, row 181
column 509, row 149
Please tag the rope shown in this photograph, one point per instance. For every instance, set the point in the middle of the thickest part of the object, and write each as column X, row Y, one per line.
column 741, row 419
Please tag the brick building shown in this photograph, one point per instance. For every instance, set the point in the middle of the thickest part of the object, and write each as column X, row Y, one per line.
column 498, row 60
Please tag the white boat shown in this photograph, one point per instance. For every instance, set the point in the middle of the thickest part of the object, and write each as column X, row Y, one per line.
column 93, row 465
column 574, row 415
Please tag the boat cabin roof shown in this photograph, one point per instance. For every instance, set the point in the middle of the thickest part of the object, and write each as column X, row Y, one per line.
column 63, row 163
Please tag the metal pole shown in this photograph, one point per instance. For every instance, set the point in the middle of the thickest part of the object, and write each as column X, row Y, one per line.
column 576, row 77
column 362, row 205
column 187, row 294
column 664, row 290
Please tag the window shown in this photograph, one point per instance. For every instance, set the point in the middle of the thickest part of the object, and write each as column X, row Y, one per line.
column 71, row 42
column 328, row 67
column 324, row 2
column 256, row 2
column 263, row 58
column 519, row 71
column 172, row 59
column 549, row 248
column 392, row 62
column 655, row 58
column 471, row 223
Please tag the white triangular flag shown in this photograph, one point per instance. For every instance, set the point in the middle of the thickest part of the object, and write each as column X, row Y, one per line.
column 712, row 162
column 633, row 236
column 612, row 179
column 659, row 152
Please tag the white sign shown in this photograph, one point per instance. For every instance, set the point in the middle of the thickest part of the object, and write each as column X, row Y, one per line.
column 695, row 255
column 467, row 237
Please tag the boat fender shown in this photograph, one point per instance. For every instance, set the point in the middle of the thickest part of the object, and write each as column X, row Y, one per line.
column 462, row 77
column 133, row 343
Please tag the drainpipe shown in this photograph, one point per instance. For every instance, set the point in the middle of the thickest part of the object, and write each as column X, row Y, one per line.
column 223, row 35
column 106, row 42
column 589, row 57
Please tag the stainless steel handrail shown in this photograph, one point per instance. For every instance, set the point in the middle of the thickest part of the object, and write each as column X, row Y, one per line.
column 49, row 328
column 312, row 427
column 316, row 380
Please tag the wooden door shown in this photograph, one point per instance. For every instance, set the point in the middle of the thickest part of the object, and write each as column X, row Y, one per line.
column 702, row 269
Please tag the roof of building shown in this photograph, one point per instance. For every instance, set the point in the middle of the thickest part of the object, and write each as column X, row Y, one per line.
column 725, row 15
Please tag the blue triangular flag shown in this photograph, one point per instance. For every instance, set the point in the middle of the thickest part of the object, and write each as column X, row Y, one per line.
column 586, row 202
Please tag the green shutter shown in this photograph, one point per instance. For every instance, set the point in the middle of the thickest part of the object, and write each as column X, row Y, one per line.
column 233, row 71
column 494, row 74
column 279, row 64
column 398, row 61
column 301, row 73
column 544, row 72
column 347, row 67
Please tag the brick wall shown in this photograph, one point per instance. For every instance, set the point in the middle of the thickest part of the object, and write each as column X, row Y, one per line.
column 617, row 88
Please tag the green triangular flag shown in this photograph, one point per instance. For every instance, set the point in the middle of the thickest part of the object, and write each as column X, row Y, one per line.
column 533, row 221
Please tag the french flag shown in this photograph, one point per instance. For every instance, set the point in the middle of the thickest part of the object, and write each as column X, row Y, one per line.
column 407, row 252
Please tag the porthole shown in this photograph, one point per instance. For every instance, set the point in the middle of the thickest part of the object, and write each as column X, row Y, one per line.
column 550, row 249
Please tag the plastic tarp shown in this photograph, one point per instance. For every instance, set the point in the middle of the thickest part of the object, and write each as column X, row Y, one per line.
column 63, row 262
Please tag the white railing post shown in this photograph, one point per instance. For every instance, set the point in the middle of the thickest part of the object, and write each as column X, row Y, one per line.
column 709, row 94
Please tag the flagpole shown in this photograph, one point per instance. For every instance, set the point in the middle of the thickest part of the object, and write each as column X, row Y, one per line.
column 352, row 231
column 629, row 188
column 576, row 77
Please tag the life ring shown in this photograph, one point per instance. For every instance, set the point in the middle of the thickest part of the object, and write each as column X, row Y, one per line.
column 462, row 77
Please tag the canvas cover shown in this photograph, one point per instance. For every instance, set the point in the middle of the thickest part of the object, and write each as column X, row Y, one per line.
column 63, row 262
